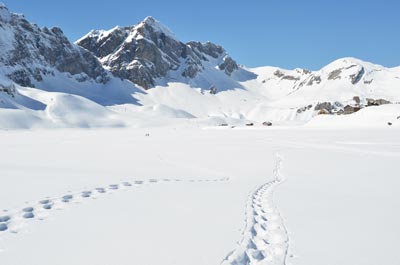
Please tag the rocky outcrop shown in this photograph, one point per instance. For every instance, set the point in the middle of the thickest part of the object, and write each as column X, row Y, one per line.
column 314, row 79
column 348, row 109
column 29, row 53
column 8, row 89
column 354, row 72
column 283, row 76
column 228, row 65
column 355, row 78
column 149, row 51
column 304, row 109
column 338, row 108
column 335, row 74
column 325, row 106
column 377, row 102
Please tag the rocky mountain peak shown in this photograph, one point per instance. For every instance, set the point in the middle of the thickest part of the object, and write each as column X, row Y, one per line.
column 149, row 53
column 29, row 53
column 5, row 15
column 153, row 25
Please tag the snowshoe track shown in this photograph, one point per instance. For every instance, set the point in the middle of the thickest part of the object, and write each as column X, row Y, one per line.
column 265, row 240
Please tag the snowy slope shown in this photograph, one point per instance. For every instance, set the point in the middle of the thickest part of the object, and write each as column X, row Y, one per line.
column 34, row 108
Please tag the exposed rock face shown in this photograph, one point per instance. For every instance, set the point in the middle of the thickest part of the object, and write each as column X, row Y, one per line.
column 323, row 112
column 29, row 52
column 350, row 109
column 213, row 90
column 314, row 79
column 377, row 102
column 8, row 89
column 324, row 105
column 338, row 108
column 149, row 51
column 279, row 73
column 357, row 99
column 355, row 78
column 335, row 74
column 303, row 109
column 228, row 65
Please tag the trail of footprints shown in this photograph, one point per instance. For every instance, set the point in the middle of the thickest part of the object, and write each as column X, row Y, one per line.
column 13, row 221
column 265, row 240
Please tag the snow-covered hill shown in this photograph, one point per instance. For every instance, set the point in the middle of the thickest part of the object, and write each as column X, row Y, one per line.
column 142, row 75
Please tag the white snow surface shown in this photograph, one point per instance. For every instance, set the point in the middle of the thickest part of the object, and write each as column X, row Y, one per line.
column 187, row 195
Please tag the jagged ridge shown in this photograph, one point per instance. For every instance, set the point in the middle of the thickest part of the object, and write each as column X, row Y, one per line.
column 148, row 51
column 28, row 52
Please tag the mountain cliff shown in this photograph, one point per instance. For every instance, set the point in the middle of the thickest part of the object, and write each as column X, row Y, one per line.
column 149, row 54
column 28, row 53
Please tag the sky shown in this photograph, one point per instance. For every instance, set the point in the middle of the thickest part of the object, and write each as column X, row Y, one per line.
column 285, row 33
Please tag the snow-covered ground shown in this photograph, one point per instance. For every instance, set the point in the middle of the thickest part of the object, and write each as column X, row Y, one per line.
column 200, row 196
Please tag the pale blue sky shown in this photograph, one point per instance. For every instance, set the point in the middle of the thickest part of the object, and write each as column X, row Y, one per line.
column 289, row 33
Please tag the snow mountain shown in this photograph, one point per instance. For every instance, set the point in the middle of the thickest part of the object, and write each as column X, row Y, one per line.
column 143, row 75
column 149, row 54
column 29, row 53
column 342, row 87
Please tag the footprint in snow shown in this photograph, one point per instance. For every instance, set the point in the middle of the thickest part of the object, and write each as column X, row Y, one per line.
column 67, row 198
column 28, row 210
column 46, row 204
column 127, row 184
column 4, row 219
column 114, row 187
column 3, row 227
column 100, row 190
column 28, row 215
column 86, row 194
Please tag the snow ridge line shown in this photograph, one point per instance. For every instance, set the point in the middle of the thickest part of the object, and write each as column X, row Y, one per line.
column 15, row 221
column 265, row 240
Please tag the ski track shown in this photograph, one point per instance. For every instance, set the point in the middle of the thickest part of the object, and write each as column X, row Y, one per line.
column 15, row 221
column 265, row 240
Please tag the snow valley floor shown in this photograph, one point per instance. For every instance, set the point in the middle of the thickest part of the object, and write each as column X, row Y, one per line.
column 200, row 196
